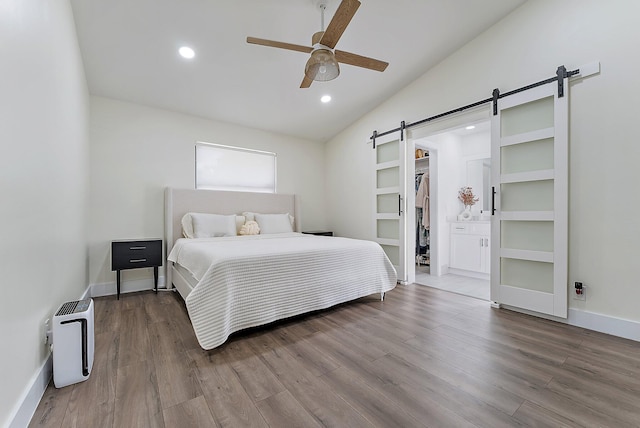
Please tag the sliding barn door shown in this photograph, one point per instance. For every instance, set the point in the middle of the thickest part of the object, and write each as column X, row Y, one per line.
column 389, row 201
column 529, row 158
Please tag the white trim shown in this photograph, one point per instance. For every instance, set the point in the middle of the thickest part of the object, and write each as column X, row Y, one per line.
column 387, row 216
column 561, row 201
column 469, row 273
column 605, row 324
column 528, row 137
column 388, row 242
column 535, row 256
column 388, row 164
column 521, row 177
column 387, row 190
column 592, row 321
column 87, row 293
column 32, row 396
column 527, row 215
column 110, row 288
column 533, row 94
column 538, row 301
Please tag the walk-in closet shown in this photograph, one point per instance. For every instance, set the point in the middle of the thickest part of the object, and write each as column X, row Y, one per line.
column 421, row 227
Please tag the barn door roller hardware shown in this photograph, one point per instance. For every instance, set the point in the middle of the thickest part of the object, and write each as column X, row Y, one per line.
column 561, row 74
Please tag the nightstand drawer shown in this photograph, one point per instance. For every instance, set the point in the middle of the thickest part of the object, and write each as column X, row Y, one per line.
column 318, row 232
column 136, row 254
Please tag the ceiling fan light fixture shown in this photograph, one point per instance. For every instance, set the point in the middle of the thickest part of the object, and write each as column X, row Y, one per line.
column 322, row 65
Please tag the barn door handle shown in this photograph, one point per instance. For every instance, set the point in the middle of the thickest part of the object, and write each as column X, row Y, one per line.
column 399, row 205
column 493, row 200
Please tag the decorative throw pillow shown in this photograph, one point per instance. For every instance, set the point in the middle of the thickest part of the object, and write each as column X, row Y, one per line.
column 240, row 219
column 250, row 228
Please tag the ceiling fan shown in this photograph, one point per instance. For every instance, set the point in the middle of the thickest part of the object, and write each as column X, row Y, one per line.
column 323, row 63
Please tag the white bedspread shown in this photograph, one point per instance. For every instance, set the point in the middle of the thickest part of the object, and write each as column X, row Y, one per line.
column 246, row 281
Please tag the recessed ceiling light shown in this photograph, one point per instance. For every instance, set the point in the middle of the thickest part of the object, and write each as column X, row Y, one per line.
column 186, row 52
column 325, row 98
column 470, row 127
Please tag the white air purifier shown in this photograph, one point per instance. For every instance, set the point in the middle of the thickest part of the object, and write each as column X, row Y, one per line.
column 73, row 342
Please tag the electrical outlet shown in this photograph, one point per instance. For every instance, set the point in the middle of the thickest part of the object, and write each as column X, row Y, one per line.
column 579, row 291
column 47, row 327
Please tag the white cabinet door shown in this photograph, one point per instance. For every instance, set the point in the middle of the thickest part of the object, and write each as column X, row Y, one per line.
column 470, row 246
column 485, row 255
column 466, row 252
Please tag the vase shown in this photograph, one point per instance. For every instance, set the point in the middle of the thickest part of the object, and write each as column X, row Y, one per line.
column 465, row 215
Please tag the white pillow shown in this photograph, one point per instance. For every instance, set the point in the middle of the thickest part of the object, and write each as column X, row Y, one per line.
column 187, row 225
column 249, row 216
column 273, row 223
column 213, row 225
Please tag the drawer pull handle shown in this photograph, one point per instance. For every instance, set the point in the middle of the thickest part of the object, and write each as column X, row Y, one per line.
column 137, row 248
column 137, row 260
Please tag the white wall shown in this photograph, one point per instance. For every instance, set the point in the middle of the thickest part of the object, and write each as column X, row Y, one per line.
column 43, row 184
column 137, row 151
column 525, row 47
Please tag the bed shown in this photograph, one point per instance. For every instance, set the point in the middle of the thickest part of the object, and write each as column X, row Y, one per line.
column 230, row 283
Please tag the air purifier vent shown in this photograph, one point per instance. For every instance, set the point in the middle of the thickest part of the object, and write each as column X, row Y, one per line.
column 67, row 308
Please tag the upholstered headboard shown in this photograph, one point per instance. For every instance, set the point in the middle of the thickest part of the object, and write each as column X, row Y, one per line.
column 178, row 202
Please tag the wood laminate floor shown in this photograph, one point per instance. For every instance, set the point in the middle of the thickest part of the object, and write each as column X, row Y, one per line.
column 421, row 358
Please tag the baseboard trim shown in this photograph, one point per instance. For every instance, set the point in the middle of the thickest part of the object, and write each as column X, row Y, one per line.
column 469, row 273
column 605, row 324
column 32, row 396
column 131, row 286
column 627, row 329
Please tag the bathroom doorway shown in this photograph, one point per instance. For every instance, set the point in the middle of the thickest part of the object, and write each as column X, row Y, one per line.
column 451, row 249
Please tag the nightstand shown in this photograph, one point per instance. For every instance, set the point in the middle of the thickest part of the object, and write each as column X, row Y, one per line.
column 318, row 232
column 134, row 254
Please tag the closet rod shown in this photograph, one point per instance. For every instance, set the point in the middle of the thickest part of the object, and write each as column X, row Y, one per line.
column 561, row 73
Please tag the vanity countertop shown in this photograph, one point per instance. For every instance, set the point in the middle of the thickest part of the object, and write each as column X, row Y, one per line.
column 454, row 219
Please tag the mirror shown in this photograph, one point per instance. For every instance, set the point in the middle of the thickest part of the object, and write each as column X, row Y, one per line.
column 479, row 179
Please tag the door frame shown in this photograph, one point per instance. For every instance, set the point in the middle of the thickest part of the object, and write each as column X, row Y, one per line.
column 449, row 123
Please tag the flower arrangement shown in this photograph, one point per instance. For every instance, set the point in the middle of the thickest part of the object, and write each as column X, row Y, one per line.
column 466, row 196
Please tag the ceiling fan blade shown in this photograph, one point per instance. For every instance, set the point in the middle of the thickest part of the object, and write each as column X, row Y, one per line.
column 339, row 22
column 306, row 82
column 281, row 45
column 360, row 61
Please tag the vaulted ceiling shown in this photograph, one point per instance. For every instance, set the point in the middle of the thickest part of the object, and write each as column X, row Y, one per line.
column 129, row 48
